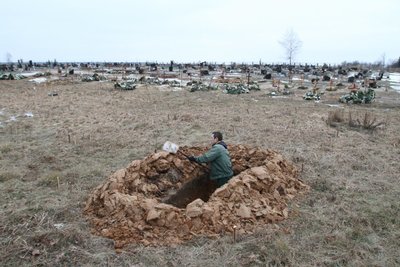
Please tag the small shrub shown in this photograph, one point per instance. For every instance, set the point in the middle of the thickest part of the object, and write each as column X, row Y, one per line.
column 367, row 122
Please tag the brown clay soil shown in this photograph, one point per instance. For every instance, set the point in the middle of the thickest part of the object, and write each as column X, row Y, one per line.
column 60, row 153
column 165, row 199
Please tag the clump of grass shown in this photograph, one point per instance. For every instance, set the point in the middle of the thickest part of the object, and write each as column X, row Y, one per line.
column 196, row 126
column 276, row 253
column 187, row 118
column 140, row 126
column 50, row 180
column 396, row 142
column 5, row 176
column 237, row 119
column 5, row 148
column 322, row 185
column 48, row 159
column 335, row 118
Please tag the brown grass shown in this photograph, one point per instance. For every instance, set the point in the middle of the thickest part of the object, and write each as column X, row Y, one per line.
column 350, row 217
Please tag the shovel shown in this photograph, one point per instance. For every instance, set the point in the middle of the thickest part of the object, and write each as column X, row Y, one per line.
column 174, row 149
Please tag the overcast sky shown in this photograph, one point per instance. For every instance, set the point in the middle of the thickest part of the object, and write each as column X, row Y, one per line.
column 192, row 31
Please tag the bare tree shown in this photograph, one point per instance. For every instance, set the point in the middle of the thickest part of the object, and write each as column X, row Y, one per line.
column 8, row 57
column 292, row 44
column 383, row 60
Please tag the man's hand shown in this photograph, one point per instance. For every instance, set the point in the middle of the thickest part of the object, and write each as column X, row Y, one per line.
column 191, row 158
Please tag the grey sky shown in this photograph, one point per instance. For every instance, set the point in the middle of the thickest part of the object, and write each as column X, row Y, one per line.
column 191, row 31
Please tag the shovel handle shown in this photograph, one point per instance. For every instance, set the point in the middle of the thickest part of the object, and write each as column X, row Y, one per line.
column 204, row 167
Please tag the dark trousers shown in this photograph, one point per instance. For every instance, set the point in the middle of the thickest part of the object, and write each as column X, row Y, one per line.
column 220, row 182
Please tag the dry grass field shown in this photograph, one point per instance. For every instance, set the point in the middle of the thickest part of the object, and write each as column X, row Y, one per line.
column 53, row 157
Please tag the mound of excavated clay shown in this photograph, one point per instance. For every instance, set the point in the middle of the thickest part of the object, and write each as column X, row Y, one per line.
column 166, row 199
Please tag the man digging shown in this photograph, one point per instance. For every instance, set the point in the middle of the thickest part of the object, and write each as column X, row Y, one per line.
column 219, row 160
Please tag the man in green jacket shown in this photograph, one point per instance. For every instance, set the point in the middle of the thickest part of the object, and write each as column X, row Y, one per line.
column 219, row 159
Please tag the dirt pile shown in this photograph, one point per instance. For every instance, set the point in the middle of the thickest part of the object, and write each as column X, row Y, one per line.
column 166, row 199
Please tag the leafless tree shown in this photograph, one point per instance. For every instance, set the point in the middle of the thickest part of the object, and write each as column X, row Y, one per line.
column 292, row 44
column 8, row 57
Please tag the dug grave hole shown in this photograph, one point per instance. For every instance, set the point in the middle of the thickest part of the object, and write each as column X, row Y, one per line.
column 166, row 199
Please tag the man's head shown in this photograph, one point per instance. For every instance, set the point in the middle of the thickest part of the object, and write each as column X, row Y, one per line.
column 216, row 137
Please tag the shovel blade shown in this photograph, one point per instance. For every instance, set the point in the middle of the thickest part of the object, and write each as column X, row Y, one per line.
column 170, row 147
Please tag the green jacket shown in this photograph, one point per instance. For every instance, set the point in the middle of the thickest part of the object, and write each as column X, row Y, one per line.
column 220, row 161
